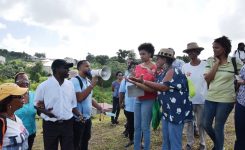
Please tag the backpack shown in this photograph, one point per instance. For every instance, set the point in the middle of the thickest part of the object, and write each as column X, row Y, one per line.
column 3, row 123
column 80, row 82
column 233, row 60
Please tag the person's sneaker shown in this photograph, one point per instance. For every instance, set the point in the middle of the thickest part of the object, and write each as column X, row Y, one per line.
column 202, row 147
column 188, row 147
column 129, row 144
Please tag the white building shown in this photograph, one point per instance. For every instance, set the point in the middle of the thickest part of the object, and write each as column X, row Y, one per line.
column 47, row 65
column 2, row 60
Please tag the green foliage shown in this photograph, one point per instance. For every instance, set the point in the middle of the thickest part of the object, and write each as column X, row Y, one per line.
column 102, row 59
column 14, row 55
column 40, row 55
column 185, row 58
column 10, row 68
column 91, row 58
column 102, row 95
column 36, row 72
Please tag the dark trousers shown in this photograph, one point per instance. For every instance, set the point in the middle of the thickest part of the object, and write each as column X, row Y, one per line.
column 58, row 132
column 240, row 127
column 130, row 124
column 31, row 140
column 82, row 134
column 115, row 109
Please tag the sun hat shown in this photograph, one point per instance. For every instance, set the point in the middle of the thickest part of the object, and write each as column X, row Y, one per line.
column 193, row 46
column 7, row 89
column 166, row 52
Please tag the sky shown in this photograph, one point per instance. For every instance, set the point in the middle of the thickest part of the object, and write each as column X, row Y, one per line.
column 74, row 28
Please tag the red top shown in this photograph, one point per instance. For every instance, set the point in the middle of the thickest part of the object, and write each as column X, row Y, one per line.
column 149, row 75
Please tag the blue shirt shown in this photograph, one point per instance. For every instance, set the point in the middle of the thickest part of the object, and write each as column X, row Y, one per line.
column 27, row 114
column 175, row 102
column 128, row 101
column 116, row 86
column 85, row 106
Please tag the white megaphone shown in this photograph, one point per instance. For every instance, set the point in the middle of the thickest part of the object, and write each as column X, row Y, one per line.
column 104, row 73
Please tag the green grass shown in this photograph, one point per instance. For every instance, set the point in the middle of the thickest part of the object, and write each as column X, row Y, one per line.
column 107, row 137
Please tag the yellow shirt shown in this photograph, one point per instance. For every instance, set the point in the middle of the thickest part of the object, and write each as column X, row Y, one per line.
column 221, row 89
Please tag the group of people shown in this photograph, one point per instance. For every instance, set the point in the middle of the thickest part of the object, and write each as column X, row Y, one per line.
column 166, row 81
column 66, row 105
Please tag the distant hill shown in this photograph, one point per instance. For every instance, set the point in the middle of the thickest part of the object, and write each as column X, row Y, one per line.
column 10, row 55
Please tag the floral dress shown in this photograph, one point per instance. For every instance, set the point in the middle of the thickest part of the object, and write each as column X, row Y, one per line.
column 176, row 105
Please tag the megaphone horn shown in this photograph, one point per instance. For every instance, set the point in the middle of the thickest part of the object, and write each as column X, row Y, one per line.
column 104, row 73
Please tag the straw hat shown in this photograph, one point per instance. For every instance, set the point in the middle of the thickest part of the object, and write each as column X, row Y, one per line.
column 8, row 89
column 193, row 46
column 166, row 52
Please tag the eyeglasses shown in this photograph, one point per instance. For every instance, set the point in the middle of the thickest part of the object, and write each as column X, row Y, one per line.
column 23, row 83
column 120, row 75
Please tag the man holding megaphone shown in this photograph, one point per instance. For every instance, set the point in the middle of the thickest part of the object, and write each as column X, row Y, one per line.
column 84, row 89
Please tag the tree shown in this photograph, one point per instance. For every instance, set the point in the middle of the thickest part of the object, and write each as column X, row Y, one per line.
column 40, row 55
column 185, row 58
column 36, row 72
column 102, row 59
column 90, row 57
column 122, row 55
column 132, row 54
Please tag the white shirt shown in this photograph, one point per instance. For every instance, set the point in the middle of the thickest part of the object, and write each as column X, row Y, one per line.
column 239, row 55
column 16, row 132
column 195, row 74
column 61, row 98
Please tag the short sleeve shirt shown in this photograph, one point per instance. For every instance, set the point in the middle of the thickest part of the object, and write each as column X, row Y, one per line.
column 27, row 114
column 116, row 86
column 61, row 98
column 85, row 106
column 149, row 75
column 175, row 102
column 128, row 101
column 221, row 88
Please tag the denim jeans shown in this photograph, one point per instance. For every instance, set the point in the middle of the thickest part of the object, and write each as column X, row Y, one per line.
column 142, row 120
column 219, row 111
column 171, row 135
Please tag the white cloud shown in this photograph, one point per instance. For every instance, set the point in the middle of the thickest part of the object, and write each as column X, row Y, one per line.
column 2, row 26
column 103, row 27
column 16, row 44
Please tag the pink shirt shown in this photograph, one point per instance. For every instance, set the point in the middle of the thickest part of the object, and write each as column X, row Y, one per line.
column 149, row 75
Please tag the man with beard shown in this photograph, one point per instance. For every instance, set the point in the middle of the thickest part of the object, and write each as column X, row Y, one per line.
column 56, row 100
column 84, row 90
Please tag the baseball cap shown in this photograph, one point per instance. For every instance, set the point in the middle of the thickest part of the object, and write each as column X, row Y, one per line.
column 8, row 89
column 60, row 62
